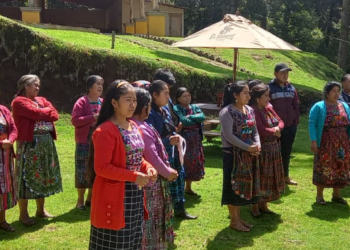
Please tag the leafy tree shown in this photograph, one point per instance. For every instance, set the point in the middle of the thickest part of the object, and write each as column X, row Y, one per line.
column 343, row 52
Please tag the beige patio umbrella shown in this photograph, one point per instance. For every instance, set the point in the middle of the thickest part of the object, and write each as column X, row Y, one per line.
column 235, row 32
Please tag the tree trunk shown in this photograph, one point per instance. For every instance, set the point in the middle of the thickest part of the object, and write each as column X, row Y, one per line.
column 343, row 51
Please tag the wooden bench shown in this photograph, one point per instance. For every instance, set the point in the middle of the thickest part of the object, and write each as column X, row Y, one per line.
column 209, row 135
column 211, row 124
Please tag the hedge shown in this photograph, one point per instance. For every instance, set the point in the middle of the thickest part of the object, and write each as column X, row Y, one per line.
column 63, row 68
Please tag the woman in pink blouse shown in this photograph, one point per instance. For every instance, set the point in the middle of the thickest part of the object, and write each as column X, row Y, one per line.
column 8, row 135
column 84, row 116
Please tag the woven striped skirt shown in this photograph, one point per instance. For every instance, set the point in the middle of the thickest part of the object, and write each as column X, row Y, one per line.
column 159, row 228
column 272, row 182
column 194, row 157
column 81, row 163
column 7, row 180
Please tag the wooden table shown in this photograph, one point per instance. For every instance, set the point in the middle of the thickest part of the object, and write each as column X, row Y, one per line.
column 209, row 109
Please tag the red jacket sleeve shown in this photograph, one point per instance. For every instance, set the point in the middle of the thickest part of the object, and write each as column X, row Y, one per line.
column 280, row 122
column 78, row 117
column 145, row 165
column 12, row 136
column 104, row 147
column 13, row 133
column 260, row 124
column 24, row 107
column 48, row 104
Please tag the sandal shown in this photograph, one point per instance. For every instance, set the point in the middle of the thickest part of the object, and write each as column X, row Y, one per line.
column 289, row 181
column 82, row 207
column 239, row 227
column 247, row 225
column 7, row 227
column 190, row 192
column 256, row 216
column 339, row 200
column 44, row 215
column 29, row 222
column 320, row 201
column 266, row 211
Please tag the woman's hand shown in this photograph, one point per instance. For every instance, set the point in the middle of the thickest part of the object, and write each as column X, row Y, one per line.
column 277, row 132
column 142, row 179
column 152, row 173
column 174, row 139
column 314, row 147
column 6, row 144
column 173, row 175
column 253, row 149
column 179, row 128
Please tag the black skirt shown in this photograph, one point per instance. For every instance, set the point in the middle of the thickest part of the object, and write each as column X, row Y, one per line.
column 229, row 197
column 130, row 237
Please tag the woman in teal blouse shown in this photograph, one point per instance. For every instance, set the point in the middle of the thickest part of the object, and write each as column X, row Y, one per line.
column 329, row 129
column 191, row 118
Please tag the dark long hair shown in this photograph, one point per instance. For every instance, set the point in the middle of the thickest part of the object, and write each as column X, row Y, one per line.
column 166, row 76
column 143, row 100
column 114, row 91
column 233, row 88
column 156, row 86
column 252, row 83
column 256, row 92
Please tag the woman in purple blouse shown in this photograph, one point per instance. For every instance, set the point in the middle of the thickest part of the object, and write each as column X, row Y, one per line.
column 158, row 229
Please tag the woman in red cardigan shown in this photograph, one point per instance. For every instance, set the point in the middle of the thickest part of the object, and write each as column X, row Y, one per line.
column 8, row 134
column 118, row 205
column 269, row 126
column 84, row 116
column 37, row 166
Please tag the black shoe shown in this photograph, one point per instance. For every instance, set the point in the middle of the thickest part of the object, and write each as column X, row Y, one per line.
column 184, row 215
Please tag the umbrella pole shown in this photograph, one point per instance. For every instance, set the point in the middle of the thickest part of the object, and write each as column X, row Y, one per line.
column 235, row 64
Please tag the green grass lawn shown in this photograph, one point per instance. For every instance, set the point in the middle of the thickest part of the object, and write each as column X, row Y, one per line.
column 300, row 224
column 310, row 71
column 158, row 51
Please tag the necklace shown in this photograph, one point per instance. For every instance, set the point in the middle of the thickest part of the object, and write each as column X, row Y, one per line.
column 242, row 110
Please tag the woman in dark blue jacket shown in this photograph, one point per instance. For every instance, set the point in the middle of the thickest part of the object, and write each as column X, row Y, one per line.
column 161, row 120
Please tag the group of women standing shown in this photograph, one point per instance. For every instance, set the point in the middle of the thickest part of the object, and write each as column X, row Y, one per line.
column 252, row 164
column 134, row 161
column 127, row 155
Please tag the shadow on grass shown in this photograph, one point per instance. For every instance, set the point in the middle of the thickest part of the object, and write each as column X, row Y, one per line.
column 230, row 239
column 346, row 192
column 193, row 62
column 329, row 212
column 287, row 192
column 213, row 154
column 72, row 216
column 191, row 201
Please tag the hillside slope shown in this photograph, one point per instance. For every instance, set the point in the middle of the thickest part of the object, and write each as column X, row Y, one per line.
column 63, row 59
